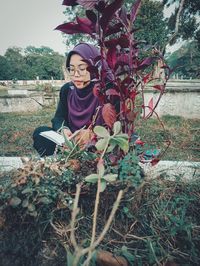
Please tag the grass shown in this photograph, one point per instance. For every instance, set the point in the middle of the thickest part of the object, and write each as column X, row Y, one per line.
column 17, row 129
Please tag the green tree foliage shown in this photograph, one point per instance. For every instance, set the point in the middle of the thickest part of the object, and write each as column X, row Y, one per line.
column 31, row 63
column 16, row 66
column 187, row 60
column 188, row 26
column 4, row 69
column 151, row 23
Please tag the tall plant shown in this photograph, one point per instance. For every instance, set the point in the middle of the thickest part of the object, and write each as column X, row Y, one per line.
column 112, row 26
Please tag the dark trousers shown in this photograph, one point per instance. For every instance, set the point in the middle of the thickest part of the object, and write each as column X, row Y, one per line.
column 43, row 146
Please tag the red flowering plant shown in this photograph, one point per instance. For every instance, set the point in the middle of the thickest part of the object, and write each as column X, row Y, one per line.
column 112, row 26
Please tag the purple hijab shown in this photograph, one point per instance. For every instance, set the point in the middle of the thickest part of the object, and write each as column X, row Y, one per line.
column 82, row 104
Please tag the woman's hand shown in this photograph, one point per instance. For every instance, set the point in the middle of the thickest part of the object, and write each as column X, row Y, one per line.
column 83, row 137
column 67, row 132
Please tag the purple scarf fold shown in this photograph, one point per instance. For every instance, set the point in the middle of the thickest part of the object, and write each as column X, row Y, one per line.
column 82, row 106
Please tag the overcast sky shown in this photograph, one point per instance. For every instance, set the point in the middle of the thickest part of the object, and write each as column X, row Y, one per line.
column 31, row 22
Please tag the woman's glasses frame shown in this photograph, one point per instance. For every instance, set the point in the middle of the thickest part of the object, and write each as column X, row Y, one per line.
column 80, row 69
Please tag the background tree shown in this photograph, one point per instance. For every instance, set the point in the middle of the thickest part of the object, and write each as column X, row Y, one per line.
column 16, row 66
column 184, row 21
column 43, row 62
column 4, row 68
column 30, row 63
column 187, row 60
column 151, row 23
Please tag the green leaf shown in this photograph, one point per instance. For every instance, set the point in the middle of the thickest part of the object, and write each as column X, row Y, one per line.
column 101, row 131
column 45, row 200
column 110, row 177
column 111, row 146
column 117, row 127
column 101, row 144
column 103, row 186
column 26, row 190
column 15, row 201
column 93, row 178
column 25, row 203
column 34, row 213
column 123, row 143
column 130, row 257
column 31, row 207
column 122, row 135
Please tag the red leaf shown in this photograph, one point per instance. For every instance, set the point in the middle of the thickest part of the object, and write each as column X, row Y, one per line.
column 96, row 90
column 87, row 4
column 159, row 87
column 94, row 72
column 91, row 16
column 147, row 77
column 123, row 41
column 69, row 3
column 109, row 12
column 85, row 24
column 127, row 82
column 70, row 28
column 139, row 142
column 146, row 62
column 123, row 59
column 109, row 114
column 111, row 57
column 123, row 15
column 134, row 10
column 150, row 104
column 100, row 7
column 113, row 29
column 133, row 94
column 112, row 92
column 155, row 161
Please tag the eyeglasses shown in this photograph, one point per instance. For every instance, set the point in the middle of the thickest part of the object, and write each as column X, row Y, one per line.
column 80, row 69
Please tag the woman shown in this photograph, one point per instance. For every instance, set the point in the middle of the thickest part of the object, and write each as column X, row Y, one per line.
column 78, row 105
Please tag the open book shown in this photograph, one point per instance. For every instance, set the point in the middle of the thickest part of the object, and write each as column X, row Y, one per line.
column 58, row 138
column 53, row 136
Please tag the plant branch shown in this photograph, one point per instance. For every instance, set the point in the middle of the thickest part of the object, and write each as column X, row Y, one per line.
column 74, row 214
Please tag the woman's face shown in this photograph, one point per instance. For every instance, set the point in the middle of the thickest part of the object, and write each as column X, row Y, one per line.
column 78, row 71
